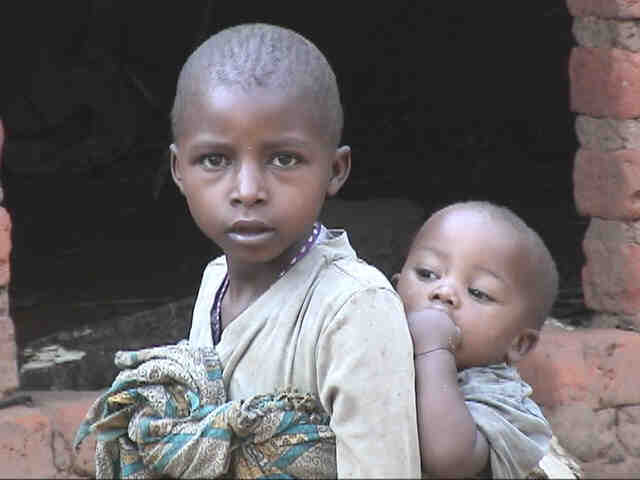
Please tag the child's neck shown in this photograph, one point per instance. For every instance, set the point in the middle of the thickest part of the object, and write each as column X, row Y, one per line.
column 245, row 288
column 247, row 282
column 248, row 279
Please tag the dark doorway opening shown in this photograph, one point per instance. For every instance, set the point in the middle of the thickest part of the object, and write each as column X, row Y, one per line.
column 443, row 102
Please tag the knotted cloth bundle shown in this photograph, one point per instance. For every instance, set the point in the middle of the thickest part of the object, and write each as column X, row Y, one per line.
column 166, row 414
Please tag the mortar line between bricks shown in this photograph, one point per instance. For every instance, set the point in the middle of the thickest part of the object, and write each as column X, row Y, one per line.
column 621, row 405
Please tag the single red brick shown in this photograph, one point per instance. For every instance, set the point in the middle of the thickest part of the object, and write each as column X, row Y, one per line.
column 7, row 331
column 622, row 466
column 591, row 366
column 586, row 433
column 611, row 278
column 7, row 343
column 5, row 273
column 66, row 410
column 5, row 220
column 605, row 82
column 25, row 444
column 629, row 428
column 607, row 184
column 5, row 246
column 607, row 134
column 604, row 8
column 611, row 275
column 9, row 380
column 4, row 303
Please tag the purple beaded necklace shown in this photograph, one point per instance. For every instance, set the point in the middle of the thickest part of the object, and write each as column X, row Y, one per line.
column 216, row 317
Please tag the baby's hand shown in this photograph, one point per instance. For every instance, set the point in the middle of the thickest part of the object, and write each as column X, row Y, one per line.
column 433, row 328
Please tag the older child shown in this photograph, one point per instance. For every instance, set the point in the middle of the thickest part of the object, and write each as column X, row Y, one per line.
column 256, row 123
column 477, row 285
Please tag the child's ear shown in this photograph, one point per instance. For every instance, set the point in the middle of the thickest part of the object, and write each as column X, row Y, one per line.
column 173, row 162
column 394, row 279
column 522, row 344
column 340, row 169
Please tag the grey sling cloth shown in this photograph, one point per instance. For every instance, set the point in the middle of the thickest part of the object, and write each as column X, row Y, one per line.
column 517, row 431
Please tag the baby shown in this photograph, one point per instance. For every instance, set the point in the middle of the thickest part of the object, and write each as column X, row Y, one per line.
column 477, row 285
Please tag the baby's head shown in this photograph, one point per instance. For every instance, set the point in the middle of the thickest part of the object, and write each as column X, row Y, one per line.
column 256, row 123
column 493, row 274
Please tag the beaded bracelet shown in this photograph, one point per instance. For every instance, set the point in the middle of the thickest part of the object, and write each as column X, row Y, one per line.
column 432, row 350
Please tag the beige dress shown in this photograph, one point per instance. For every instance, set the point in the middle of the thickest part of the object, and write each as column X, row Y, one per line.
column 332, row 326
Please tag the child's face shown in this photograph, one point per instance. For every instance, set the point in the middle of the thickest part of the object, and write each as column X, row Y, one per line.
column 473, row 267
column 255, row 168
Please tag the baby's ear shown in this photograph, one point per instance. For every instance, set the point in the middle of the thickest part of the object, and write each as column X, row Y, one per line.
column 522, row 344
column 394, row 279
column 173, row 164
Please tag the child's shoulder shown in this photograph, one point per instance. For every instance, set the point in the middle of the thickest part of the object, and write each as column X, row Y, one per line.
column 356, row 272
column 342, row 264
column 345, row 290
column 342, row 277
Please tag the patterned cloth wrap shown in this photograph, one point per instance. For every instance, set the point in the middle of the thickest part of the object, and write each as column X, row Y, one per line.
column 166, row 414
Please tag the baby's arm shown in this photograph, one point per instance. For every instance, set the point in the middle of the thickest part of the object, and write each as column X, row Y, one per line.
column 365, row 381
column 450, row 443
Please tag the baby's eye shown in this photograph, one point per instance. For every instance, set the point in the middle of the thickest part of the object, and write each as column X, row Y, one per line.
column 285, row 160
column 213, row 161
column 426, row 274
column 480, row 295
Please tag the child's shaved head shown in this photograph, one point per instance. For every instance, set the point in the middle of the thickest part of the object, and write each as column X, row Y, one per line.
column 261, row 56
column 542, row 268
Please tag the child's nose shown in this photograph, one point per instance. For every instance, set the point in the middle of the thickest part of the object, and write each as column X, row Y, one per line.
column 249, row 188
column 445, row 294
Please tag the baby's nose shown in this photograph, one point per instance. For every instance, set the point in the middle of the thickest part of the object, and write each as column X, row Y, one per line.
column 446, row 295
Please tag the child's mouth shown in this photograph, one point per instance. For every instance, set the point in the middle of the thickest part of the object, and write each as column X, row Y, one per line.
column 250, row 231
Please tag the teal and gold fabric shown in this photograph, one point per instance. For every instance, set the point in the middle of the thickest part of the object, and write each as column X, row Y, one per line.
column 167, row 414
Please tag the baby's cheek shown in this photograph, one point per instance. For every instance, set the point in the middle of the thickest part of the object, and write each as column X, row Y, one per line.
column 414, row 299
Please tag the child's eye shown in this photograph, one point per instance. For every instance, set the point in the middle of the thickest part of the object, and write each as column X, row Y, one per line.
column 480, row 295
column 285, row 160
column 213, row 161
column 426, row 274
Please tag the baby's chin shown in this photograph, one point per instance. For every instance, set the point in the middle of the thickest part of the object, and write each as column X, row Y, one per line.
column 463, row 363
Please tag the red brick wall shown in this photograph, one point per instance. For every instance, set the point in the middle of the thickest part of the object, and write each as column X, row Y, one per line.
column 604, row 70
column 8, row 350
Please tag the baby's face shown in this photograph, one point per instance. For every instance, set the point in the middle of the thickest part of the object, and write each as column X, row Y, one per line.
column 475, row 268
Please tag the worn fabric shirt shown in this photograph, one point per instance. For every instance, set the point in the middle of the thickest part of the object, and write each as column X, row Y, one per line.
column 500, row 403
column 334, row 327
